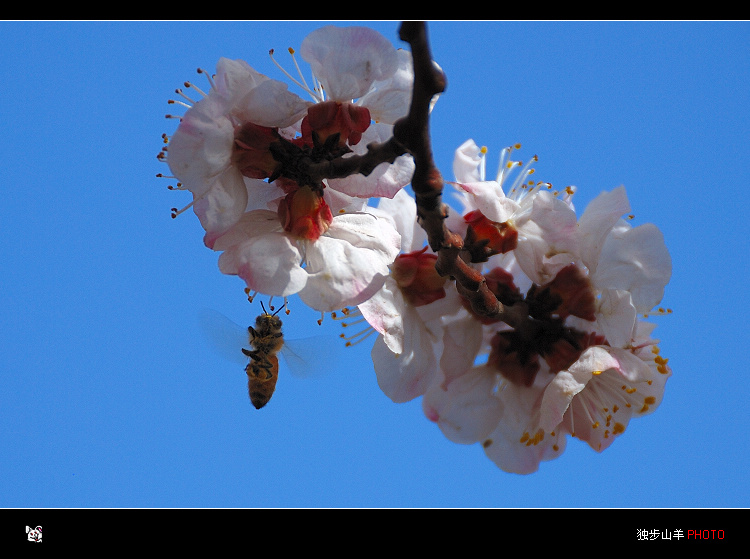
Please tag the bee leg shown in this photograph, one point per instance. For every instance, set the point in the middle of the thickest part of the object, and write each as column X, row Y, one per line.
column 266, row 364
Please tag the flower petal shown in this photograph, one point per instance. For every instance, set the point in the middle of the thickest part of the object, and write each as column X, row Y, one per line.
column 466, row 163
column 547, row 238
column 602, row 213
column 222, row 206
column 637, row 260
column 402, row 209
column 489, row 198
column 518, row 445
column 201, row 147
column 385, row 311
column 347, row 60
column 268, row 263
column 616, row 317
column 462, row 339
column 271, row 104
column 405, row 376
column 386, row 179
column 468, row 410
column 349, row 264
column 389, row 99
column 234, row 79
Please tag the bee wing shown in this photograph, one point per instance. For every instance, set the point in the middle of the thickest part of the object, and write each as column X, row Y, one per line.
column 224, row 335
column 309, row 357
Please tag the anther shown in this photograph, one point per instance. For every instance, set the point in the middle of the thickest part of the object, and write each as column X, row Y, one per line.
column 195, row 87
column 208, row 76
column 179, row 92
column 360, row 321
column 358, row 337
column 176, row 212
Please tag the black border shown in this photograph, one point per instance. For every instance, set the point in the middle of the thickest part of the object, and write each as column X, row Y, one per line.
column 563, row 528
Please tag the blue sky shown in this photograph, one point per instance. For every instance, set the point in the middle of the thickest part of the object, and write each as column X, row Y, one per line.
column 110, row 396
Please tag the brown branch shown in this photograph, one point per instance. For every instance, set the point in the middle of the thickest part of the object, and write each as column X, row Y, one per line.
column 309, row 166
column 413, row 132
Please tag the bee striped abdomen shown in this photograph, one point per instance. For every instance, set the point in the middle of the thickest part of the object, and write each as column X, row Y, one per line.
column 261, row 380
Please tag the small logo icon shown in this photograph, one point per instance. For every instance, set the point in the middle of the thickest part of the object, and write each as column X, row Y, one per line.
column 34, row 534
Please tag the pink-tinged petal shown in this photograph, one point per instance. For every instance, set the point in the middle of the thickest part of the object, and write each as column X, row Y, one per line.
column 271, row 104
column 349, row 264
column 367, row 231
column 389, row 99
column 251, row 224
column 434, row 313
column 270, row 264
column 599, row 394
column 340, row 275
column 462, row 339
column 386, row 180
column 383, row 182
column 637, row 260
column 347, row 60
column 556, row 400
column 385, row 312
column 518, row 445
column 406, row 375
column 522, row 457
column 262, row 195
column 222, row 206
column 234, row 79
column 468, row 410
column 489, row 198
column 602, row 213
column 201, row 147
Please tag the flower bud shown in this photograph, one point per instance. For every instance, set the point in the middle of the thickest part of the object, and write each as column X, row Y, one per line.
column 305, row 214
column 415, row 274
column 499, row 237
column 331, row 117
column 252, row 154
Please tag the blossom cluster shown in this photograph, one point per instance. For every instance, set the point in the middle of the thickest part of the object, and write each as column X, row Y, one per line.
column 584, row 361
column 282, row 235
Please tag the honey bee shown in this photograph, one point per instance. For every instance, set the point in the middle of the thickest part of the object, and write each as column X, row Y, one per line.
column 267, row 343
column 263, row 370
